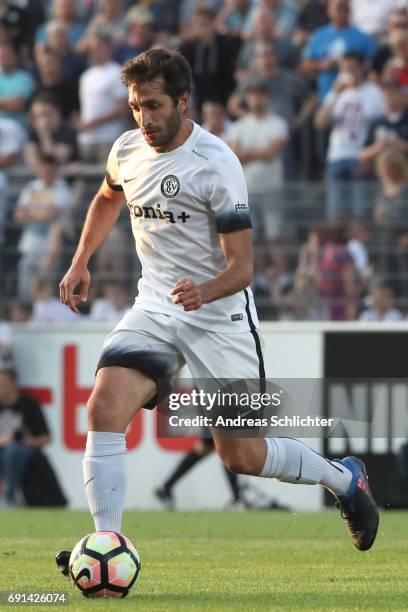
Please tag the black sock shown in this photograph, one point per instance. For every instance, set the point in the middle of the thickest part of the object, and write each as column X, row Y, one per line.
column 233, row 483
column 183, row 467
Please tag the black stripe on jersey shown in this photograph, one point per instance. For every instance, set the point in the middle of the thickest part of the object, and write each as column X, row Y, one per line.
column 257, row 343
column 232, row 222
column 112, row 184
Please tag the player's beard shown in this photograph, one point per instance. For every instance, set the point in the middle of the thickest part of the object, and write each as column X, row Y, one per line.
column 167, row 133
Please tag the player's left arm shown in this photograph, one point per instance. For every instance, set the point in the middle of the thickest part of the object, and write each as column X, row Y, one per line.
column 237, row 247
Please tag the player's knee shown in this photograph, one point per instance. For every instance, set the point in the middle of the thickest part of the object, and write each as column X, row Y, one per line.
column 235, row 461
column 102, row 416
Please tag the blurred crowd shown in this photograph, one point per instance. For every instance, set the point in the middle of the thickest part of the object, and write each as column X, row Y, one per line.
column 302, row 91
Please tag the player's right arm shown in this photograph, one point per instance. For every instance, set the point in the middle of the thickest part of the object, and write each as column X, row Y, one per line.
column 101, row 217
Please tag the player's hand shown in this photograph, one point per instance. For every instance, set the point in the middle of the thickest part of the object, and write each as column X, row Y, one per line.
column 77, row 276
column 188, row 294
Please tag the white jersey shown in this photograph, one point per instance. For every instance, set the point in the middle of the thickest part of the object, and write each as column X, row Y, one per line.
column 179, row 201
column 354, row 109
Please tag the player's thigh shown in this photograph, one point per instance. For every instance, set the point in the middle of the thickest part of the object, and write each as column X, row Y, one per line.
column 214, row 355
column 138, row 361
column 233, row 363
column 144, row 342
column 117, row 396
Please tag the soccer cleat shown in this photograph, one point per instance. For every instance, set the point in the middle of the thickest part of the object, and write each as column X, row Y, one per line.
column 358, row 507
column 165, row 496
column 62, row 561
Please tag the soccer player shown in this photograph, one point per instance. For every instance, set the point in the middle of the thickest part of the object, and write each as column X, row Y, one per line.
column 188, row 205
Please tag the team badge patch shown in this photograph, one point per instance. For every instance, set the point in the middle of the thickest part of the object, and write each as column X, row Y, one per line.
column 170, row 186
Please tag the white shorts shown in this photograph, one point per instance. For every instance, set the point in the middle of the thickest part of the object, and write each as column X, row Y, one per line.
column 158, row 345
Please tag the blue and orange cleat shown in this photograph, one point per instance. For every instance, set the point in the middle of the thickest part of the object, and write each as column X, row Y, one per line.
column 358, row 507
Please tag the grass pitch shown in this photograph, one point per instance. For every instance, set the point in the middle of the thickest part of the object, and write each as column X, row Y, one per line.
column 219, row 561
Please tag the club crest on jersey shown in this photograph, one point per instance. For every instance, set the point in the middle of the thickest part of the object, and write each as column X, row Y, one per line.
column 170, row 186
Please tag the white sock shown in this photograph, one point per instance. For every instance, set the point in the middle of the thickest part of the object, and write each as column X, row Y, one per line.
column 289, row 460
column 105, row 477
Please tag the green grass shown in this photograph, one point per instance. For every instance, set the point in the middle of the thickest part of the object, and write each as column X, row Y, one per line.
column 220, row 561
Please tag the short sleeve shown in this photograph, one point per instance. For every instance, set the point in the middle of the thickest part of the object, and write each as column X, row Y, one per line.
column 64, row 196
column 279, row 129
column 112, row 170
column 25, row 196
column 371, row 47
column 24, row 86
column 228, row 194
column 311, row 50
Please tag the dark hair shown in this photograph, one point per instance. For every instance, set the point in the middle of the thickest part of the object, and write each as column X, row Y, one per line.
column 150, row 65
column 352, row 55
column 205, row 12
column 51, row 52
column 48, row 158
column 45, row 97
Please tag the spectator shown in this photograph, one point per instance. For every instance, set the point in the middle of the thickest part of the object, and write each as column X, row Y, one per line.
column 359, row 238
column 58, row 40
column 19, row 21
column 307, row 274
column 390, row 131
column 215, row 120
column 232, row 16
column 351, row 105
column 51, row 82
column 112, row 305
column 338, row 286
column 211, row 57
column 47, row 308
column 390, row 214
column 16, row 85
column 23, row 431
column 64, row 11
column 371, row 16
column 288, row 91
column 188, row 9
column 284, row 11
column 397, row 66
column 41, row 210
column 166, row 15
column 312, row 16
column 140, row 34
column 109, row 20
column 329, row 43
column 19, row 311
column 264, row 31
column 382, row 309
column 12, row 138
column 398, row 20
column 258, row 139
column 49, row 135
column 103, row 102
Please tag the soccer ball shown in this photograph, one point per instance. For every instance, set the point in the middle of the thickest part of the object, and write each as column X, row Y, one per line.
column 104, row 564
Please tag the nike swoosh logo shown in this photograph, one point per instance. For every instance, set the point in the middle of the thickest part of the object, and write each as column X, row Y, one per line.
column 88, row 481
column 300, row 469
column 129, row 179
